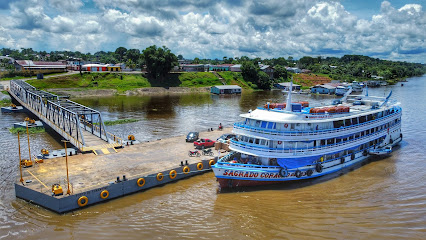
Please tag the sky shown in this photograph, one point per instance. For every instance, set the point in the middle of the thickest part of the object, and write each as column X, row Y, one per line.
column 393, row 29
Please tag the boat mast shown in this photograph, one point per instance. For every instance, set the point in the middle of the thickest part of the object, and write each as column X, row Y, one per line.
column 288, row 106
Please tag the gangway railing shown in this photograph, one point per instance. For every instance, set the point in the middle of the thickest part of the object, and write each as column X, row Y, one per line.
column 66, row 117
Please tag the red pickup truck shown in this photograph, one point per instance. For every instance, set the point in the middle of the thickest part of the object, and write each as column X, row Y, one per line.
column 204, row 142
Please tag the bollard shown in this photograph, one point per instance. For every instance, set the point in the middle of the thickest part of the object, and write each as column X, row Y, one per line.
column 118, row 179
column 124, row 178
column 181, row 163
column 186, row 162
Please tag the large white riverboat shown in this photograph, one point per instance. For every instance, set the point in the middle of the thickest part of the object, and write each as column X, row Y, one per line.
column 292, row 141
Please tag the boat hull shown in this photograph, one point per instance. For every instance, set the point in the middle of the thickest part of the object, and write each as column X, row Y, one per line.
column 238, row 175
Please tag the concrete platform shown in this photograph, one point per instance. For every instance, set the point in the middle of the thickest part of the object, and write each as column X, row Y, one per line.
column 91, row 174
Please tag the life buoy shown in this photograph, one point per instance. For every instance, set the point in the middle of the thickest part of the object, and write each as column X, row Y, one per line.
column 211, row 162
column 318, row 167
column 280, row 142
column 140, row 182
column 82, row 201
column 186, row 170
column 104, row 194
column 309, row 172
column 286, row 125
column 283, row 172
column 298, row 173
column 160, row 177
column 172, row 174
column 200, row 166
column 342, row 160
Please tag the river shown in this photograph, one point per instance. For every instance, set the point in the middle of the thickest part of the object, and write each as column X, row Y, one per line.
column 384, row 199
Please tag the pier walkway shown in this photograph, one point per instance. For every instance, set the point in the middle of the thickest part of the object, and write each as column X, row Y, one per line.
column 82, row 126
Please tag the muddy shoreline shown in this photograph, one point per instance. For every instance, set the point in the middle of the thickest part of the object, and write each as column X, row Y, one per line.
column 77, row 92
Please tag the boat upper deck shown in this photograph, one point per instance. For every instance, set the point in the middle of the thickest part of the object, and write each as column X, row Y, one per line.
column 357, row 106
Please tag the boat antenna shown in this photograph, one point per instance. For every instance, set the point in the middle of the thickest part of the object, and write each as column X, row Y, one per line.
column 288, row 107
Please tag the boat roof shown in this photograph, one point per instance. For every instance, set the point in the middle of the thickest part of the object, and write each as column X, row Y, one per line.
column 370, row 105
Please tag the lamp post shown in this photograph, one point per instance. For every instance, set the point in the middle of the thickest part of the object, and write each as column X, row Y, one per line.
column 28, row 136
column 66, row 162
column 20, row 165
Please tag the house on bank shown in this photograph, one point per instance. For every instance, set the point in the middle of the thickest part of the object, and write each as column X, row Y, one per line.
column 226, row 89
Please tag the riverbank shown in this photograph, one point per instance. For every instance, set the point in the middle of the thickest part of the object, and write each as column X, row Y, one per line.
column 78, row 93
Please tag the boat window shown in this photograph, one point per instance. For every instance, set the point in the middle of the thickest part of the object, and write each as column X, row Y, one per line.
column 263, row 124
column 354, row 121
column 271, row 125
column 250, row 140
column 257, row 141
column 262, row 142
column 348, row 122
column 322, row 142
column 257, row 124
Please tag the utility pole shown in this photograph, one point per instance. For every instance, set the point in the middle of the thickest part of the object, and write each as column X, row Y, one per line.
column 66, row 162
column 20, row 164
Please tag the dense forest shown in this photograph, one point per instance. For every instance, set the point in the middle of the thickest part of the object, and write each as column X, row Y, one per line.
column 347, row 67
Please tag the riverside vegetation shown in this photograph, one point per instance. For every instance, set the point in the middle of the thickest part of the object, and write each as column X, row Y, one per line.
column 159, row 61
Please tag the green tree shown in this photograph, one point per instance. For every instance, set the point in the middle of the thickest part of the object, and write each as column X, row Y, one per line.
column 133, row 54
column 280, row 61
column 196, row 61
column 280, row 72
column 159, row 61
column 264, row 82
column 180, row 57
column 120, row 52
column 130, row 64
column 249, row 71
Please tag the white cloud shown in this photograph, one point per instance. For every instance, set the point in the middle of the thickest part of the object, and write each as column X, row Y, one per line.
column 66, row 5
column 211, row 29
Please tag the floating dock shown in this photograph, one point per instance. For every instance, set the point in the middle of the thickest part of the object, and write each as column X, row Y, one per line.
column 99, row 178
column 115, row 169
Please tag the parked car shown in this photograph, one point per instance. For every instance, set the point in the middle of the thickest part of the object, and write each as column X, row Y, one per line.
column 226, row 137
column 204, row 142
column 192, row 136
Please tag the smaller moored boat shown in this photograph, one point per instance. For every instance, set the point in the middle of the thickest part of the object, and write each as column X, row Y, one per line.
column 381, row 151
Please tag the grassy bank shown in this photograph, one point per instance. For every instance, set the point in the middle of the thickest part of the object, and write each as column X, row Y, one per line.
column 198, row 79
column 235, row 78
column 123, row 82
column 5, row 102
column 24, row 130
column 120, row 121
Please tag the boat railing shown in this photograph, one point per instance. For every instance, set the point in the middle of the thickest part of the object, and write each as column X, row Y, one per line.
column 262, row 167
column 304, row 150
column 243, row 126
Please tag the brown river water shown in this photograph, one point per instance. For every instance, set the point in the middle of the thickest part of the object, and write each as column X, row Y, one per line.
column 384, row 199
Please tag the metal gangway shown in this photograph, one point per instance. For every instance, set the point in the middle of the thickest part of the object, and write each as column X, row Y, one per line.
column 80, row 125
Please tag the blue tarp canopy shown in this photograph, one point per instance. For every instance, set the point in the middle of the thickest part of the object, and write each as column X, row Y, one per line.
column 290, row 163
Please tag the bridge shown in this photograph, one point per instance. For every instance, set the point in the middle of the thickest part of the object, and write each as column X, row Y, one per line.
column 80, row 125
